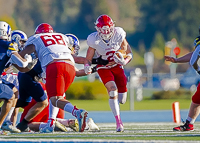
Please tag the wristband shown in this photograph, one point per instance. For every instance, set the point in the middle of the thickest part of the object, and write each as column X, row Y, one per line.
column 126, row 61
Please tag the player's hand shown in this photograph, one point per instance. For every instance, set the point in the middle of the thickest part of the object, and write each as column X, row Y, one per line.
column 32, row 63
column 119, row 60
column 87, row 69
column 171, row 59
column 13, row 47
column 28, row 58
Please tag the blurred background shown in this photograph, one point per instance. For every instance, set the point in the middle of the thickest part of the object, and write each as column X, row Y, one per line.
column 154, row 28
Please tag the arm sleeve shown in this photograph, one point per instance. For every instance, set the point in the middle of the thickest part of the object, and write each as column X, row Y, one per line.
column 18, row 61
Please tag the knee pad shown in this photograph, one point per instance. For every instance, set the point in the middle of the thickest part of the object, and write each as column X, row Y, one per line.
column 21, row 103
column 113, row 93
column 122, row 97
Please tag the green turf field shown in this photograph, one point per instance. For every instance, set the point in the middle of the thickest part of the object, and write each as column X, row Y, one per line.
column 103, row 105
column 134, row 132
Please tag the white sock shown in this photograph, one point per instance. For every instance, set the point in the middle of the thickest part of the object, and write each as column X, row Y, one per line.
column 69, row 107
column 114, row 105
column 190, row 120
column 53, row 111
column 8, row 117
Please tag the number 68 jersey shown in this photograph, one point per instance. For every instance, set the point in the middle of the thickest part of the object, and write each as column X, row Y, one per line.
column 50, row 46
column 107, row 49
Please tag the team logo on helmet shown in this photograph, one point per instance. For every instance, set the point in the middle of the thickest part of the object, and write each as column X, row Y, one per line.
column 73, row 43
column 19, row 37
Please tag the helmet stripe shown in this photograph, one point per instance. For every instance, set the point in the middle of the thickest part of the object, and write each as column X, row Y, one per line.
column 21, row 35
column 8, row 29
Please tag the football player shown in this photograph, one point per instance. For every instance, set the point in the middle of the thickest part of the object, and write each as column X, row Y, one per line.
column 11, row 118
column 55, row 56
column 39, row 122
column 105, row 43
column 9, row 124
column 7, row 89
column 194, row 110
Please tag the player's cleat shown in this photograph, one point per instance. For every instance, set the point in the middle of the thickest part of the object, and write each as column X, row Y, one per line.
column 7, row 125
column 23, row 127
column 49, row 128
column 91, row 126
column 60, row 127
column 186, row 127
column 120, row 128
column 81, row 117
column 2, row 132
column 73, row 124
column 28, row 130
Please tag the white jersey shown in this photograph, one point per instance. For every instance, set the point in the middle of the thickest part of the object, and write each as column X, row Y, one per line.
column 50, row 46
column 12, row 78
column 107, row 49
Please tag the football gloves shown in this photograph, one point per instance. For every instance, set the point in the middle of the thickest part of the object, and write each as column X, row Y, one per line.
column 87, row 69
column 32, row 63
column 28, row 58
column 119, row 59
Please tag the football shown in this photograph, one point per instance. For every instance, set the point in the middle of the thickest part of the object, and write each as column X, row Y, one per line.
column 123, row 52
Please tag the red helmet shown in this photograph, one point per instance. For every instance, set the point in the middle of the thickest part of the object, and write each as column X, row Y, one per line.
column 43, row 28
column 104, row 26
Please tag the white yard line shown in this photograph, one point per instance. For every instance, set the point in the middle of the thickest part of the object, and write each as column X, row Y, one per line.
column 107, row 130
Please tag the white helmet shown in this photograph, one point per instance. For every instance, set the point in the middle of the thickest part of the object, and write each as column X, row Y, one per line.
column 19, row 37
column 5, row 30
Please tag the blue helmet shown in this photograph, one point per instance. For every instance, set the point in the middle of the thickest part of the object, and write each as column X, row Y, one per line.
column 73, row 43
column 19, row 37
